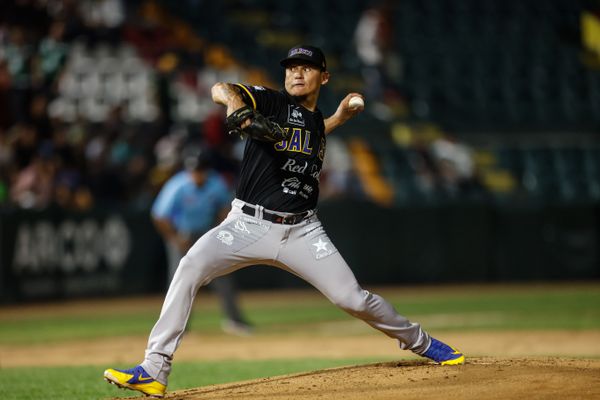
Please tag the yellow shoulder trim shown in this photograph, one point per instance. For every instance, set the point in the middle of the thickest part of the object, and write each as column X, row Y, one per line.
column 249, row 94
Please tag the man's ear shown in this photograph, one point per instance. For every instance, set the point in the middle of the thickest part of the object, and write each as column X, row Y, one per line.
column 324, row 77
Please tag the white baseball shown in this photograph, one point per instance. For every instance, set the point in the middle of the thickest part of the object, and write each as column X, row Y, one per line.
column 356, row 102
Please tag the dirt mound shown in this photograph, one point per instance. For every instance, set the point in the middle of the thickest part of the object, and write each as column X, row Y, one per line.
column 479, row 378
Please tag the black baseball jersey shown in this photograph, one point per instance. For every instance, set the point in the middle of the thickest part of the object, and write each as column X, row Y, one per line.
column 283, row 176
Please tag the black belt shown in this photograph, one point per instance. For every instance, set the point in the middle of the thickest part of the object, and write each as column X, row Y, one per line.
column 278, row 219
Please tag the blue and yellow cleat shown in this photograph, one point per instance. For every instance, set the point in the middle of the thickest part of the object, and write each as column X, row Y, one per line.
column 443, row 354
column 135, row 379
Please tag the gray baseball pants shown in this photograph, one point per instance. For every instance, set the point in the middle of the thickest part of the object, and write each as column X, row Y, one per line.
column 224, row 286
column 303, row 249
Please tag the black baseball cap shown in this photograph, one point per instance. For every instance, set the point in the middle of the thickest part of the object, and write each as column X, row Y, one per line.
column 303, row 52
column 197, row 159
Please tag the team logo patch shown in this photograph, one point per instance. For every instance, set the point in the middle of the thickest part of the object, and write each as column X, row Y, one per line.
column 318, row 242
column 241, row 232
column 322, row 247
column 295, row 116
column 225, row 237
column 291, row 185
column 241, row 226
column 306, row 191
column 300, row 50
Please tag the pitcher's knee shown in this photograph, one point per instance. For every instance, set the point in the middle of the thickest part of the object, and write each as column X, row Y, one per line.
column 191, row 270
column 354, row 302
column 184, row 263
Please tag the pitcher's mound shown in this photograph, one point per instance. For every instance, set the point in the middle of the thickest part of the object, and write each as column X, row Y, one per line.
column 479, row 378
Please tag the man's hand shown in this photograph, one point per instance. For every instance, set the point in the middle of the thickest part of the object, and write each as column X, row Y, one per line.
column 343, row 113
column 167, row 230
column 182, row 243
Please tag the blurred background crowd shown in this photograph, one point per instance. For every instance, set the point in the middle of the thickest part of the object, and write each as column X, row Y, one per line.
column 466, row 100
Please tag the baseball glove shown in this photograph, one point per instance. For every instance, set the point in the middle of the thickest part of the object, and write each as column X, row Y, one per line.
column 260, row 128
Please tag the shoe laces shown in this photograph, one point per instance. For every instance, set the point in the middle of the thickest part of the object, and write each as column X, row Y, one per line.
column 439, row 351
column 135, row 370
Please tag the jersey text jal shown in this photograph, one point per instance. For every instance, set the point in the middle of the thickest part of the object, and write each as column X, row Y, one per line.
column 298, row 142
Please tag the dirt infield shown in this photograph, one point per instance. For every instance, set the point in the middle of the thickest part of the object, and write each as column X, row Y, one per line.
column 480, row 378
column 518, row 364
column 195, row 347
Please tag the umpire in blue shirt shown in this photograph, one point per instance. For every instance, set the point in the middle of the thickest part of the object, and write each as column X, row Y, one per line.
column 190, row 203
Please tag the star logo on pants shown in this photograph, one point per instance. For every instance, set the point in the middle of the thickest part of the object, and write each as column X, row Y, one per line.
column 321, row 245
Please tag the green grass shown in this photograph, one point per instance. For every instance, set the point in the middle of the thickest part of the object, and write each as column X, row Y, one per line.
column 558, row 309
column 85, row 382
column 59, row 328
column 522, row 307
column 571, row 307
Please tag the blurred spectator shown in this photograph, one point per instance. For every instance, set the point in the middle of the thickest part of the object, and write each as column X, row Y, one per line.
column 82, row 198
column 110, row 120
column 381, row 66
column 6, row 166
column 52, row 53
column 455, row 169
column 213, row 129
column 17, row 53
column 33, row 185
column 423, row 169
column 6, row 151
column 102, row 19
column 140, row 192
column 221, row 144
column 337, row 168
column 6, row 118
column 87, row 109
column 38, row 116
column 24, row 140
column 188, row 205
column 71, row 192
column 65, row 184
column 167, row 152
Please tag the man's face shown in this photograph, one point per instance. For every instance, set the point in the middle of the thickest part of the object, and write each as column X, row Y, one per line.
column 302, row 79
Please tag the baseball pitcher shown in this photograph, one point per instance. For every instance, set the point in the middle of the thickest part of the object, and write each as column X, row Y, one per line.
column 273, row 219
